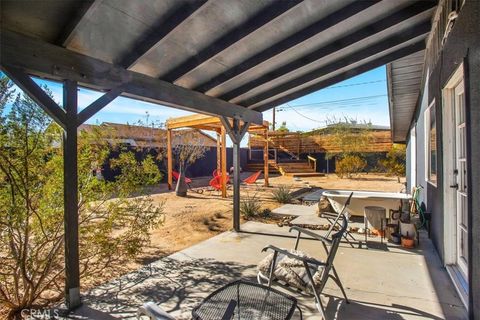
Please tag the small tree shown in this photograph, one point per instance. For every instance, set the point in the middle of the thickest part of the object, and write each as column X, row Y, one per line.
column 113, row 226
column 394, row 164
column 188, row 147
column 350, row 140
column 283, row 127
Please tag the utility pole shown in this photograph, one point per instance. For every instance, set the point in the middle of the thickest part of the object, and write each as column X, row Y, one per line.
column 273, row 120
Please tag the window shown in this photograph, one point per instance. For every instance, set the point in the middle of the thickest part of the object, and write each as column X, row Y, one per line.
column 431, row 144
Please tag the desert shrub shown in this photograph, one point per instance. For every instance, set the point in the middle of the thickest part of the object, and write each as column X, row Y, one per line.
column 349, row 166
column 113, row 225
column 394, row 164
column 250, row 206
column 282, row 194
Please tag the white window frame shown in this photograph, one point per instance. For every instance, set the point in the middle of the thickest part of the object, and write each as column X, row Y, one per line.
column 427, row 144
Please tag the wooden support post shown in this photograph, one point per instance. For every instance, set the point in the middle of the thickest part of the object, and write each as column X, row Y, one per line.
column 236, row 177
column 265, row 158
column 224, row 161
column 169, row 159
column 219, row 151
column 70, row 183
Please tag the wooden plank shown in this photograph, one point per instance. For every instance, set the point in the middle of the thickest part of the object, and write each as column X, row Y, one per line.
column 169, row 160
column 255, row 22
column 87, row 7
column 265, row 159
column 42, row 59
column 350, row 39
column 70, row 185
column 24, row 82
column 412, row 33
column 98, row 104
column 224, row 161
column 397, row 54
column 288, row 43
column 153, row 37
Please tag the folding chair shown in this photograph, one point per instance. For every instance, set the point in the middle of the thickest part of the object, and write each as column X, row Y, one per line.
column 253, row 178
column 282, row 264
column 334, row 220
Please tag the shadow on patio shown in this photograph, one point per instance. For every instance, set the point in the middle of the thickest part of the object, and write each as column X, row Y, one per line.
column 391, row 283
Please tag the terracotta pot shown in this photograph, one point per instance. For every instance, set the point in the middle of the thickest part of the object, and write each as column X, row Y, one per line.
column 408, row 242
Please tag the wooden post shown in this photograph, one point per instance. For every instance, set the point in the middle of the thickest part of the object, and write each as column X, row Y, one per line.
column 236, row 177
column 224, row 161
column 265, row 159
column 219, row 151
column 169, row 159
column 70, row 184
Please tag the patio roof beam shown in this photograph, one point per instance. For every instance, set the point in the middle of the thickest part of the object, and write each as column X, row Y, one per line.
column 290, row 42
column 257, row 21
column 152, row 38
column 77, row 21
column 98, row 104
column 350, row 39
column 405, row 51
column 357, row 56
column 24, row 82
column 42, row 59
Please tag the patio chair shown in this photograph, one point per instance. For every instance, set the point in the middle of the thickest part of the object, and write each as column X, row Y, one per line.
column 253, row 178
column 334, row 220
column 216, row 182
column 300, row 271
column 153, row 312
column 188, row 181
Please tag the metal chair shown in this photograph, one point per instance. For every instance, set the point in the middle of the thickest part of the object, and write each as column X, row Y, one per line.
column 333, row 219
column 323, row 270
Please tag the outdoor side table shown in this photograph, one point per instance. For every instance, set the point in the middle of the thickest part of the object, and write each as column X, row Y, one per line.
column 245, row 300
column 375, row 216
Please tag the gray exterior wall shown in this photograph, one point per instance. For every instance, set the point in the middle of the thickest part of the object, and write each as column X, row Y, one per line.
column 462, row 45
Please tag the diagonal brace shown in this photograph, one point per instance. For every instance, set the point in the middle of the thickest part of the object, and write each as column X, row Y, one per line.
column 235, row 132
column 36, row 93
column 99, row 104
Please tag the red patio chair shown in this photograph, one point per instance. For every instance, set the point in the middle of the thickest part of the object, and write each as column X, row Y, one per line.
column 253, row 178
column 216, row 182
column 188, row 181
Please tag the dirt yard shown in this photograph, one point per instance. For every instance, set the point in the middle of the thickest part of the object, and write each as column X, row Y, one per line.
column 200, row 216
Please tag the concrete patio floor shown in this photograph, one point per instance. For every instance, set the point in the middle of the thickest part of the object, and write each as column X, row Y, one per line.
column 382, row 282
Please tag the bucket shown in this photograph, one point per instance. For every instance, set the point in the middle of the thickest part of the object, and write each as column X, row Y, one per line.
column 408, row 242
column 396, row 237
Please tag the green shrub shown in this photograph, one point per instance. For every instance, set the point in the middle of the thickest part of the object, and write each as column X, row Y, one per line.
column 350, row 165
column 394, row 164
column 250, row 206
column 282, row 194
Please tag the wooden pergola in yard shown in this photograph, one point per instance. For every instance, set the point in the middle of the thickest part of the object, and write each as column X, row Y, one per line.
column 191, row 55
column 216, row 124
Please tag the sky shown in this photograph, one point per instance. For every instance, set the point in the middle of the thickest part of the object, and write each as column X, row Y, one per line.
column 363, row 98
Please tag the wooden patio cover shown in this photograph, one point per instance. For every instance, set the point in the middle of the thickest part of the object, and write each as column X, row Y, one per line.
column 209, row 123
column 231, row 59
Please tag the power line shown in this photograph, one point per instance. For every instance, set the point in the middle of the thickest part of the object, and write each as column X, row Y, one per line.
column 340, row 102
column 356, row 84
column 302, row 115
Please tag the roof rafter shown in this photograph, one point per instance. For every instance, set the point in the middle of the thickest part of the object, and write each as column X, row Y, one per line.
column 263, row 17
column 79, row 19
column 287, row 43
column 355, row 37
column 400, row 53
column 152, row 38
column 357, row 56
column 43, row 59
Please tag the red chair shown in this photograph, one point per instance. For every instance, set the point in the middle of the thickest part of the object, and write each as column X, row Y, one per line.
column 253, row 178
column 216, row 182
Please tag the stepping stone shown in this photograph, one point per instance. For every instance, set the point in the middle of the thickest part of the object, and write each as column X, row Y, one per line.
column 296, row 210
column 311, row 220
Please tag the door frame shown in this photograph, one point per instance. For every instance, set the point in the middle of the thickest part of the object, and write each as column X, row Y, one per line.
column 449, row 198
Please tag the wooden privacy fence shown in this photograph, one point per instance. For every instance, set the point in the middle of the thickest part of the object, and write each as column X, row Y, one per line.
column 299, row 143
